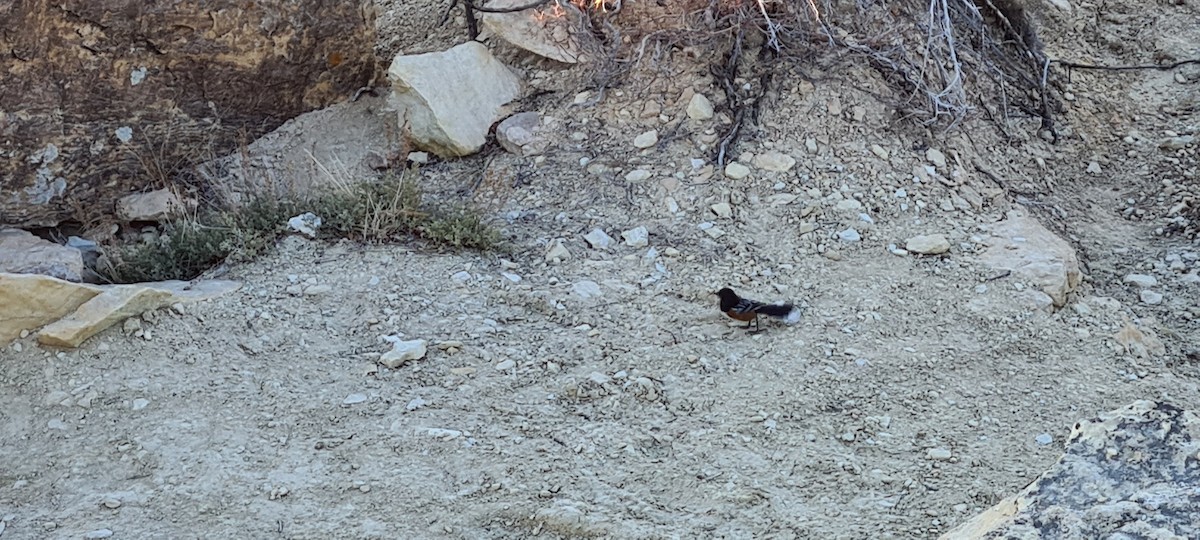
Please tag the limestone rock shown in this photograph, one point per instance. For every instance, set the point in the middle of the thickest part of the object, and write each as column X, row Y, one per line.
column 1031, row 252
column 1128, row 473
column 104, row 310
column 521, row 134
column 156, row 205
column 774, row 161
column 928, row 244
column 29, row 301
column 646, row 139
column 736, row 170
column 23, row 253
column 306, row 224
column 451, row 98
column 699, row 108
column 636, row 237
column 94, row 91
column 403, row 352
column 598, row 239
column 545, row 36
column 118, row 302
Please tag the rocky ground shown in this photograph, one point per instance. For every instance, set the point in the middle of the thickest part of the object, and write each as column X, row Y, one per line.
column 597, row 391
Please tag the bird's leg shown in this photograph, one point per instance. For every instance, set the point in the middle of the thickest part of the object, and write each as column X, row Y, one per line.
column 753, row 322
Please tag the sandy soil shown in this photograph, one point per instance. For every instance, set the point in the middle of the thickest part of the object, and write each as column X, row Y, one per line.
column 605, row 396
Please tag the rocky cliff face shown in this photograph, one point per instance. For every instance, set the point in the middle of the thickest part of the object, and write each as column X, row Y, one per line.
column 105, row 97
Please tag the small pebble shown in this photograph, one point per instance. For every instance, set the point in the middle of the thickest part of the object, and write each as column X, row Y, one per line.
column 353, row 399
column 1151, row 297
column 1044, row 439
column 98, row 533
column 939, row 454
column 140, row 403
column 506, row 365
column 849, row 235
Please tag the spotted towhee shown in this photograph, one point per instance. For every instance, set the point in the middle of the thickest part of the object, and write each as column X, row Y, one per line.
column 745, row 309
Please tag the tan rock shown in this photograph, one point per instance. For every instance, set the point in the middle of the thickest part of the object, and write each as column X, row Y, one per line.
column 1099, row 488
column 774, row 161
column 104, row 310
column 119, row 302
column 1021, row 244
column 29, row 301
column 928, row 244
column 521, row 134
column 451, row 98
column 23, row 253
column 699, row 107
column 156, row 205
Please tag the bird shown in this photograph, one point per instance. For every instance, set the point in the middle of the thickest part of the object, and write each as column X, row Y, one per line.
column 745, row 309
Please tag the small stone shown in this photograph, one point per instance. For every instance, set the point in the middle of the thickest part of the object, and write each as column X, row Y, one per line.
column 111, row 504
column 646, row 139
column 736, row 170
column 636, row 237
column 929, row 244
column 587, row 289
column 939, row 454
column 420, row 158
column 1150, row 297
column 699, row 108
column 722, row 210
column 936, row 157
column 140, row 403
column 599, row 378
column 1044, row 439
column 56, row 424
column 848, row 436
column 98, row 534
column 774, row 161
column 880, row 152
column 781, row 199
column 557, row 252
column 403, row 352
column 414, row 404
column 461, row 277
column 506, row 365
column 1094, row 168
column 317, row 290
column 810, row 144
column 354, row 399
column 306, row 224
column 849, row 235
column 638, row 175
column 1142, row 281
column 598, row 239
column 462, row 371
column 847, row 205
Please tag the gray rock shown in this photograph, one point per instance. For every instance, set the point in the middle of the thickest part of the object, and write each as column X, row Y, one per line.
column 403, row 352
column 598, row 239
column 521, row 134
column 1128, row 473
column 306, row 224
column 140, row 403
column 939, row 454
column 1044, row 439
column 451, row 98
column 936, row 157
column 587, row 289
column 928, row 244
column 638, row 175
column 699, row 108
column 549, row 37
column 354, row 399
column 646, row 139
column 157, row 205
column 636, row 237
column 98, row 534
column 774, row 161
column 23, row 253
column 506, row 365
column 722, row 210
column 849, row 235
column 736, row 170
column 1150, row 297
column 557, row 252
column 1141, row 281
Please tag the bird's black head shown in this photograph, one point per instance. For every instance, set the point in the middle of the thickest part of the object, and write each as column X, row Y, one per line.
column 728, row 298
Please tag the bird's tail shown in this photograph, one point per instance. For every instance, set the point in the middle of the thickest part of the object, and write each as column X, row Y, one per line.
column 789, row 313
